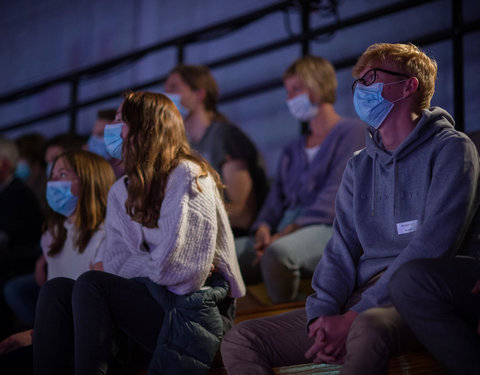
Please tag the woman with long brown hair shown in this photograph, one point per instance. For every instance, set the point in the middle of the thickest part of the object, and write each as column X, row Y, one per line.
column 77, row 221
column 166, row 223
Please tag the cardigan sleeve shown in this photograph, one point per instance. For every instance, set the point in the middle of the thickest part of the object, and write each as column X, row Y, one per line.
column 121, row 248
column 188, row 231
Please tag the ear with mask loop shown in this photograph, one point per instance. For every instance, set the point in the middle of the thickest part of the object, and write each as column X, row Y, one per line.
column 370, row 104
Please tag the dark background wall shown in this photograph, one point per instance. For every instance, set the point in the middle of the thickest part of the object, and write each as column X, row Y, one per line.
column 43, row 40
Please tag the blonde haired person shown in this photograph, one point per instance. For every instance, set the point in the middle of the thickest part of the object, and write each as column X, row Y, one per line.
column 165, row 226
column 410, row 194
column 229, row 150
column 409, row 61
column 77, row 193
column 296, row 220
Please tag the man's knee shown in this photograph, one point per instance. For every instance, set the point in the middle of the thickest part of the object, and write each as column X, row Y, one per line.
column 371, row 328
column 239, row 345
column 241, row 335
column 408, row 280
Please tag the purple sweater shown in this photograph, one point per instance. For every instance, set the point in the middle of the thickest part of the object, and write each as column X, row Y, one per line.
column 312, row 186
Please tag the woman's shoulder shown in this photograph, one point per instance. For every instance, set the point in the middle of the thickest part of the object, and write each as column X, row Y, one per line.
column 119, row 186
column 189, row 174
column 186, row 169
column 184, row 174
column 295, row 145
column 229, row 132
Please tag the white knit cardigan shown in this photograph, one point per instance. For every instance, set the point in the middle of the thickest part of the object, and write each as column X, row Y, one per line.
column 193, row 233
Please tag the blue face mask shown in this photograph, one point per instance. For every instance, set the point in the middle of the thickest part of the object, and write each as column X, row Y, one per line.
column 302, row 108
column 96, row 144
column 60, row 197
column 23, row 171
column 370, row 105
column 112, row 136
column 176, row 99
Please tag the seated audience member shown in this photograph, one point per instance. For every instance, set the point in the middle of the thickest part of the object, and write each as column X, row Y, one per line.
column 58, row 145
column 233, row 155
column 77, row 193
column 20, row 226
column 96, row 141
column 31, row 166
column 20, row 217
column 166, row 226
column 410, row 194
column 21, row 292
column 296, row 219
column 439, row 299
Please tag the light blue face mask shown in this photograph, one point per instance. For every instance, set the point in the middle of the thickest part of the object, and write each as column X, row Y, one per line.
column 96, row 144
column 176, row 99
column 370, row 105
column 60, row 197
column 302, row 108
column 112, row 136
column 23, row 171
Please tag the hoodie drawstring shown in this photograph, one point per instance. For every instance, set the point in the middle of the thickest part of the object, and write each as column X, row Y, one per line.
column 374, row 182
column 395, row 187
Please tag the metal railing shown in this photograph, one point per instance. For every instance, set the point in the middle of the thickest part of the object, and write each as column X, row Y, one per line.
column 454, row 33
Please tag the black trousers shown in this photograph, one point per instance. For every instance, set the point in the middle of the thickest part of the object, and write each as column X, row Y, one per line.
column 76, row 322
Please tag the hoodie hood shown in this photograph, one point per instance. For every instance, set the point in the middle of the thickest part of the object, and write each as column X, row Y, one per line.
column 432, row 122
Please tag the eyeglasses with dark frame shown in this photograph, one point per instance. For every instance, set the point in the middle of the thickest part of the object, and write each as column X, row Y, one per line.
column 371, row 75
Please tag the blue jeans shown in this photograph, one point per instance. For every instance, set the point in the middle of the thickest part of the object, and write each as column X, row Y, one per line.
column 434, row 298
column 285, row 262
column 21, row 295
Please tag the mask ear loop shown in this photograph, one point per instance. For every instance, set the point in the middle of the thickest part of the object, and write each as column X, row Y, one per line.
column 393, row 83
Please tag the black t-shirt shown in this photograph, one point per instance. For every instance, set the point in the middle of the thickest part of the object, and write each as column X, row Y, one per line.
column 222, row 142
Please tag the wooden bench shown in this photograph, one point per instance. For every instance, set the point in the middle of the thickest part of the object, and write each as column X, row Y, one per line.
column 418, row 363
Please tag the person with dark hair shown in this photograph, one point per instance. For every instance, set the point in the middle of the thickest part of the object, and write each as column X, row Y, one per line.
column 229, row 150
column 31, row 167
column 166, row 226
column 58, row 145
column 20, row 217
column 411, row 193
column 21, row 221
column 96, row 142
column 295, row 222
column 21, row 291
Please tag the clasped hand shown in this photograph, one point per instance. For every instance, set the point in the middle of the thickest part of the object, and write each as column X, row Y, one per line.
column 330, row 333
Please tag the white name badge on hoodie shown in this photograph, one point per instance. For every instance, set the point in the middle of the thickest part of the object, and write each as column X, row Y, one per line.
column 407, row 227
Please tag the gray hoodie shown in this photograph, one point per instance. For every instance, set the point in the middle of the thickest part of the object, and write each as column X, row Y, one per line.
column 392, row 207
